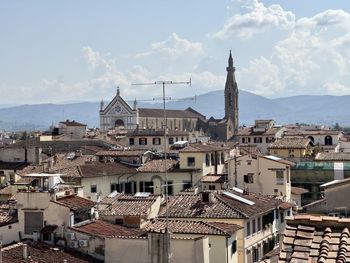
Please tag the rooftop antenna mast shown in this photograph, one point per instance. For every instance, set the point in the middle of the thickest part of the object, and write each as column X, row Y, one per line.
column 163, row 83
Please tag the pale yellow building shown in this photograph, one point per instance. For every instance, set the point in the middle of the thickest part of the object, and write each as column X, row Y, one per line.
column 268, row 175
column 291, row 148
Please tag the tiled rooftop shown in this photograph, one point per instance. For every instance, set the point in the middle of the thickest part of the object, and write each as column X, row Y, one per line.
column 192, row 227
column 316, row 239
column 202, row 147
column 219, row 206
column 290, row 143
column 332, row 156
column 158, row 166
column 98, row 169
column 214, row 179
column 75, row 202
column 124, row 205
column 249, row 131
column 42, row 253
column 105, row 229
column 145, row 112
column 128, row 153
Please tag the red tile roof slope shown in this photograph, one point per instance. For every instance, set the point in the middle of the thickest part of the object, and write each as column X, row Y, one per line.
column 159, row 166
column 192, row 227
column 105, row 229
column 75, row 202
column 42, row 253
column 97, row 169
column 316, row 239
column 220, row 206
column 129, row 206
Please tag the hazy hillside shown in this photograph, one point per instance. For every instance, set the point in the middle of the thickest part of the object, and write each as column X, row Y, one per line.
column 306, row 109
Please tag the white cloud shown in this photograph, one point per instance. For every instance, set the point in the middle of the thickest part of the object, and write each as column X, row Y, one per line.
column 174, row 46
column 261, row 77
column 258, row 19
column 337, row 88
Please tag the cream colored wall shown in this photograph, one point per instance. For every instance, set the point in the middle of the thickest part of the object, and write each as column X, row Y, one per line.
column 17, row 155
column 10, row 233
column 200, row 162
column 264, row 174
column 338, row 197
column 123, row 249
column 104, row 182
column 126, row 250
column 53, row 213
column 218, row 246
column 189, row 250
column 284, row 153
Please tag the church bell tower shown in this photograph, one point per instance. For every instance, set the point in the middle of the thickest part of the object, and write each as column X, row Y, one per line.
column 231, row 96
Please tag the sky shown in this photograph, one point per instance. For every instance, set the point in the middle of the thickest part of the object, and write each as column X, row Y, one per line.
column 64, row 51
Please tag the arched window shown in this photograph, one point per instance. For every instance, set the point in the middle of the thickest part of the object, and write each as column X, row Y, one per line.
column 312, row 139
column 328, row 140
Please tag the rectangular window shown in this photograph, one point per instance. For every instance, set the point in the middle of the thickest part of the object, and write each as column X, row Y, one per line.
column 170, row 188
column 146, row 187
column 254, row 226
column 255, row 254
column 93, row 188
column 171, row 140
column 259, row 224
column 186, row 185
column 248, row 229
column 211, row 187
column 207, row 159
column 279, row 177
column 156, row 141
column 131, row 141
column 142, row 141
column 191, row 161
column 248, row 178
column 114, row 187
column 233, row 247
column 33, row 222
column 248, row 139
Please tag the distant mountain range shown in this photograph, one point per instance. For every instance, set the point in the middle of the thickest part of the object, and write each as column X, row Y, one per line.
column 302, row 109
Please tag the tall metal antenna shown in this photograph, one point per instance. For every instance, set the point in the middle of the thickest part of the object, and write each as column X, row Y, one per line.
column 163, row 83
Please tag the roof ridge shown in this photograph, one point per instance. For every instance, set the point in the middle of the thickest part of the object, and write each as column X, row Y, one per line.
column 231, row 207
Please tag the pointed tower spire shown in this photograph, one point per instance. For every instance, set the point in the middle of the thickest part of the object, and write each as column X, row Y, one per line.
column 135, row 104
column 231, row 96
column 230, row 60
column 102, row 105
column 118, row 91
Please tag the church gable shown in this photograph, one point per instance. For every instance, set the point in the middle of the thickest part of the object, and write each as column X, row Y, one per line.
column 118, row 106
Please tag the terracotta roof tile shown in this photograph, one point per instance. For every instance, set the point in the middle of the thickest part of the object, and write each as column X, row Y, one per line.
column 42, row 253
column 219, row 206
column 290, row 143
column 192, row 227
column 75, row 202
column 98, row 169
column 124, row 205
column 317, row 239
column 332, row 156
column 158, row 166
column 105, row 229
column 201, row 147
column 127, row 153
column 145, row 112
